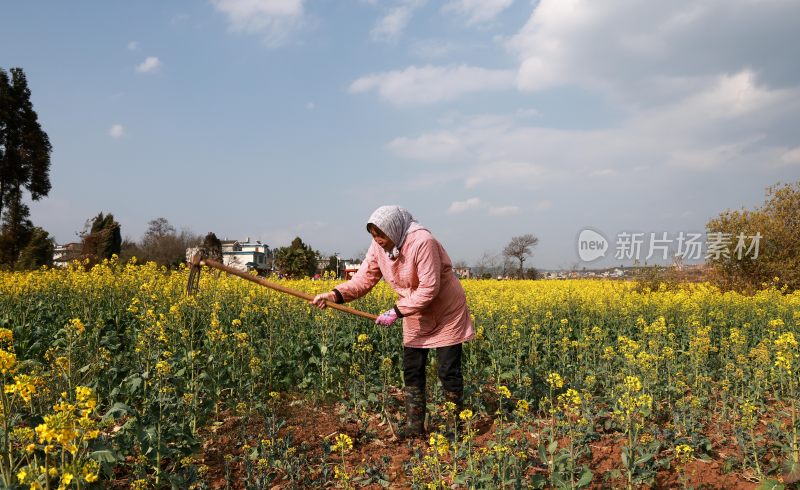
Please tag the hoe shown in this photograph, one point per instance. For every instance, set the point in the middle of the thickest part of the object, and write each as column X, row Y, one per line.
column 197, row 259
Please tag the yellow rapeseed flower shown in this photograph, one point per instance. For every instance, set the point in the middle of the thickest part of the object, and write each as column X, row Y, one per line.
column 555, row 381
column 8, row 361
column 343, row 443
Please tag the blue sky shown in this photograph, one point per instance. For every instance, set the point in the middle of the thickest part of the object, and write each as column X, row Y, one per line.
column 486, row 119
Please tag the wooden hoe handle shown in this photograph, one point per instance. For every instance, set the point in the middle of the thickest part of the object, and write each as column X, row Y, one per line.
column 197, row 261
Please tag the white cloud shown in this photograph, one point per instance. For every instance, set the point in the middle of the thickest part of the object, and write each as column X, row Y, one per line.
column 117, row 131
column 430, row 84
column 133, row 45
column 730, row 122
column 441, row 145
column 603, row 172
column 503, row 210
column 310, row 106
column 707, row 158
column 476, row 203
column 543, row 205
column 626, row 48
column 791, row 157
column 433, row 48
column 150, row 64
column 477, row 11
column 461, row 206
column 389, row 27
column 274, row 19
column 504, row 173
column 724, row 97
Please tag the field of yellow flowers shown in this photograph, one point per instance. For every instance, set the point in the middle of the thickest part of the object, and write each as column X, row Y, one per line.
column 113, row 378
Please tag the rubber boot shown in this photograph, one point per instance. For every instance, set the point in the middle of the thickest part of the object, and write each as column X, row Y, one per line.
column 415, row 413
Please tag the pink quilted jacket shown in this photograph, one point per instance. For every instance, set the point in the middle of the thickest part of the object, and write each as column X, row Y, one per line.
column 431, row 300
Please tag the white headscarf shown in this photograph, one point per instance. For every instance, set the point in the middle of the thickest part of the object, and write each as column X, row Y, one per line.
column 393, row 221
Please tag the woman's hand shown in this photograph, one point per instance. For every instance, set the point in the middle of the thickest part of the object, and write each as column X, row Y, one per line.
column 320, row 300
column 387, row 318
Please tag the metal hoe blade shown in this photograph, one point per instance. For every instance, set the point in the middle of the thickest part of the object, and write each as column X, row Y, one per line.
column 195, row 266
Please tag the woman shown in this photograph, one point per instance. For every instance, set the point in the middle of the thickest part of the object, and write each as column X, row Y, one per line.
column 431, row 303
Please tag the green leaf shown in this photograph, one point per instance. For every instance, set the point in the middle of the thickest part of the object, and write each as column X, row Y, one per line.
column 563, row 456
column 133, row 384
column 586, row 478
column 790, row 466
column 104, row 456
column 116, row 408
column 538, row 481
column 551, row 448
column 770, row 484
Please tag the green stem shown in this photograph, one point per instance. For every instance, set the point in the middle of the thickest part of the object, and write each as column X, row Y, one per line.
column 755, row 453
column 6, row 466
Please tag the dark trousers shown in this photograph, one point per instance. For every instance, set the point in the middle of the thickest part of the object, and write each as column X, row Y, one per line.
column 449, row 361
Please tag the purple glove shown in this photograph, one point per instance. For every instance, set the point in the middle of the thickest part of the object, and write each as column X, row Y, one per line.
column 387, row 318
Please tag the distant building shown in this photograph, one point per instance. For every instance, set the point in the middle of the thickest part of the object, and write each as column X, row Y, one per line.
column 64, row 254
column 247, row 255
column 322, row 264
column 463, row 272
column 350, row 268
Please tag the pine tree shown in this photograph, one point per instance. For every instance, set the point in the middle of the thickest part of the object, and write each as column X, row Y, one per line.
column 15, row 232
column 296, row 260
column 24, row 163
column 24, row 147
column 102, row 239
column 38, row 251
column 212, row 247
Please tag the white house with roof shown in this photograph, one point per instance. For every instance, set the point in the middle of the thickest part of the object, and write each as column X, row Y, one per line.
column 247, row 255
column 64, row 254
column 350, row 268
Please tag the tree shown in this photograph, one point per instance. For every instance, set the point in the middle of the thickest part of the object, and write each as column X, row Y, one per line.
column 487, row 265
column 128, row 250
column 158, row 228
column 777, row 222
column 333, row 265
column 532, row 273
column 212, row 247
column 16, row 231
column 519, row 248
column 296, row 260
column 102, row 238
column 110, row 233
column 163, row 245
column 24, row 147
column 38, row 251
column 24, row 163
